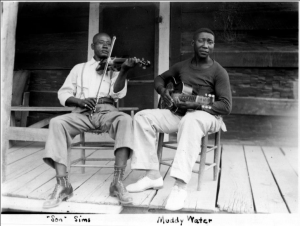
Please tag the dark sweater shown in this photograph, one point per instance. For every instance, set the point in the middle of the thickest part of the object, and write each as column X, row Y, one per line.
column 213, row 80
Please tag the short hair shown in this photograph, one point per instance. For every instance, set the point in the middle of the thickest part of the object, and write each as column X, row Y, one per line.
column 207, row 30
column 100, row 34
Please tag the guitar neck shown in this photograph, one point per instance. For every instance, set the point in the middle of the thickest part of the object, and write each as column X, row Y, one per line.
column 190, row 98
column 199, row 99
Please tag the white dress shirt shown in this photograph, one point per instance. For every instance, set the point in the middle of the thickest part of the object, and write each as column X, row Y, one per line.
column 91, row 80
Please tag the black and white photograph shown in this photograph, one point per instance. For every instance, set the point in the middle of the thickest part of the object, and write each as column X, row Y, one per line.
column 149, row 112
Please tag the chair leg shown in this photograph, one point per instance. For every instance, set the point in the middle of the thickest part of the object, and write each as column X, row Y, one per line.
column 202, row 161
column 160, row 147
column 69, row 164
column 82, row 143
column 217, row 153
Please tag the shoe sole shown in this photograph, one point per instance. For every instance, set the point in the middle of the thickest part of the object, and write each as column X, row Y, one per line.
column 61, row 200
column 154, row 188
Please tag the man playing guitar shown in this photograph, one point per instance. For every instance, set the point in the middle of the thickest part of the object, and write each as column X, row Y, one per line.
column 205, row 76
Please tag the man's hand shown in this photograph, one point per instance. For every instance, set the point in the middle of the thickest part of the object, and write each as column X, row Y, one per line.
column 88, row 103
column 185, row 105
column 129, row 63
column 165, row 94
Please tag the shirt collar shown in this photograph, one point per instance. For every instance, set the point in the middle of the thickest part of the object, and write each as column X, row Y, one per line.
column 93, row 61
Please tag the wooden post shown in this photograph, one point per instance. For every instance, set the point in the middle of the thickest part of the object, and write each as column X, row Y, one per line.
column 93, row 26
column 163, row 43
column 8, row 40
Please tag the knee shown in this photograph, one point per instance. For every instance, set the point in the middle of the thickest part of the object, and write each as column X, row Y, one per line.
column 187, row 120
column 139, row 116
column 55, row 122
column 125, row 118
column 191, row 120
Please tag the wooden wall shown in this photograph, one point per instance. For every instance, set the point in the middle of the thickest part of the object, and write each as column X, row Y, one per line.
column 257, row 43
column 51, row 38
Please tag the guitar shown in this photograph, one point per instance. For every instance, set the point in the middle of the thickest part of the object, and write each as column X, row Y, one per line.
column 184, row 92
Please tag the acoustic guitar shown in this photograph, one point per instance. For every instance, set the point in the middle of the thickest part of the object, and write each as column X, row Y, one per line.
column 184, row 92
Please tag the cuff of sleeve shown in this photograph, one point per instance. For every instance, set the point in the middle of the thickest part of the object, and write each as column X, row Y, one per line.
column 119, row 94
column 63, row 98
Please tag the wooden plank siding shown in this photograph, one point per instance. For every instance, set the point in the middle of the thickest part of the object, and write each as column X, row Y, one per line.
column 259, row 50
column 51, row 38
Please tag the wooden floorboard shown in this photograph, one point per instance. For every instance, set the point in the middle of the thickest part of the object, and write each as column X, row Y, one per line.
column 291, row 153
column 272, row 183
column 31, row 205
column 235, row 192
column 12, row 187
column 23, row 152
column 24, row 165
column 267, row 198
column 285, row 177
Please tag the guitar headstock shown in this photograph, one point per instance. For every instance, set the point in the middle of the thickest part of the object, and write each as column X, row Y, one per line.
column 144, row 63
column 211, row 98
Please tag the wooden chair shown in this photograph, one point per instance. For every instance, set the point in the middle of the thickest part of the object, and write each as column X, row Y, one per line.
column 205, row 148
column 83, row 145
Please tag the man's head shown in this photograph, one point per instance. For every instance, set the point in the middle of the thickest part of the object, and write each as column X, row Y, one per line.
column 203, row 42
column 101, row 45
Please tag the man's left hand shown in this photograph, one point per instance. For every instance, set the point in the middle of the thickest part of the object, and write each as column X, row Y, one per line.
column 129, row 63
column 185, row 105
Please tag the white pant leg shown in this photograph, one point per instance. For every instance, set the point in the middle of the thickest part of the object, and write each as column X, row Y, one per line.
column 192, row 127
column 147, row 124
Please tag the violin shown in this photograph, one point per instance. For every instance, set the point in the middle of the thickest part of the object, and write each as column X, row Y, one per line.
column 117, row 62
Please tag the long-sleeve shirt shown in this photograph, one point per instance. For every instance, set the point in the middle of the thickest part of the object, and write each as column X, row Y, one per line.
column 89, row 84
column 212, row 80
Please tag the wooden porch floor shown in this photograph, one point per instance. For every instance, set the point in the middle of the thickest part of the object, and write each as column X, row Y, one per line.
column 253, row 179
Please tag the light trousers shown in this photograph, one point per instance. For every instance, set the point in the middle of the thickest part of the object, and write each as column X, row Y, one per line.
column 64, row 128
column 191, row 128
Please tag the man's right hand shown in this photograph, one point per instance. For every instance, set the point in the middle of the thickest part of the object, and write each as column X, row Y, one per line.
column 165, row 94
column 88, row 103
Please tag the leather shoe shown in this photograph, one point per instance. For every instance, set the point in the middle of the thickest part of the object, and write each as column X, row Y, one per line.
column 59, row 194
column 176, row 198
column 144, row 184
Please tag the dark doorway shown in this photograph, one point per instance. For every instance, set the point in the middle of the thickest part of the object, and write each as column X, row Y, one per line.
column 134, row 26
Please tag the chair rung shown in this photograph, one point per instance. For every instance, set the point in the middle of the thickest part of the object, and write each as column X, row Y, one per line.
column 167, row 159
column 93, row 166
column 207, row 163
column 207, row 168
column 165, row 163
column 169, row 146
column 90, row 148
column 211, row 148
column 170, row 142
column 99, row 159
column 211, row 166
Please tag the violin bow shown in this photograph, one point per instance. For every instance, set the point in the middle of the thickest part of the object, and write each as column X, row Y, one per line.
column 105, row 68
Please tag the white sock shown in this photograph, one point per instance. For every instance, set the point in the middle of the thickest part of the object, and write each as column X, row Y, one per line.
column 153, row 174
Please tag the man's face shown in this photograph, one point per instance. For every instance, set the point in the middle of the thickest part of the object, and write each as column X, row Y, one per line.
column 101, row 46
column 203, row 44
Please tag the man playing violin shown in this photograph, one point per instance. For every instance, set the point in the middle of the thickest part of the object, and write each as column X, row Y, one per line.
column 205, row 75
column 86, row 82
